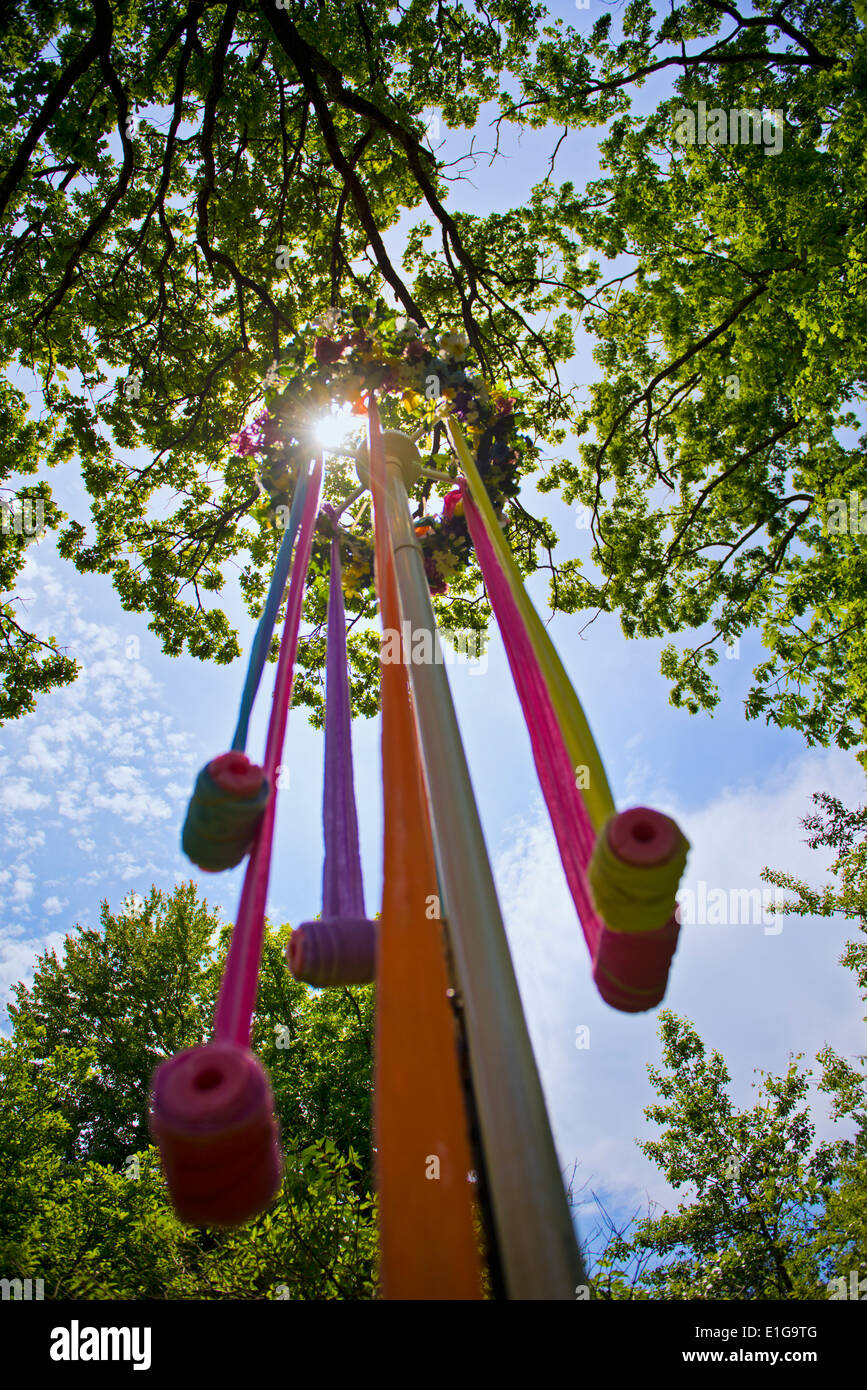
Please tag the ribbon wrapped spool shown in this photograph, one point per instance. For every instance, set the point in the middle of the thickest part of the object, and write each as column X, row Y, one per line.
column 212, row 1115
column 227, row 804
column 633, row 875
column 333, row 951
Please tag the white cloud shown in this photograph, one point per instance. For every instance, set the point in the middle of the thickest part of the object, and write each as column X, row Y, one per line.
column 20, row 836
column 97, row 637
column 88, row 766
column 23, row 885
column 134, row 804
column 18, row 794
column 124, row 777
column 18, row 956
column 72, row 804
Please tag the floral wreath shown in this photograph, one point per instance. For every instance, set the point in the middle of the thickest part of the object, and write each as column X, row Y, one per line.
column 415, row 373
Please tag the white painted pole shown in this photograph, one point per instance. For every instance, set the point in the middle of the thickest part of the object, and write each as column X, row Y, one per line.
column 536, row 1238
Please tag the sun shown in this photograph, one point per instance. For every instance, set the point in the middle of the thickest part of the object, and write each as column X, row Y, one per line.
column 334, row 429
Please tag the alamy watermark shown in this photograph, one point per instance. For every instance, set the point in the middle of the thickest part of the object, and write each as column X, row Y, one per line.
column 77, row 1343
column 723, row 907
column 741, row 125
column 22, row 516
column 420, row 648
column 841, row 517
column 432, row 125
column 22, row 1290
column 856, row 1288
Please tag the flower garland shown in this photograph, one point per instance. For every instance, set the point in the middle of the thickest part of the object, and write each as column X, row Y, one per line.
column 414, row 373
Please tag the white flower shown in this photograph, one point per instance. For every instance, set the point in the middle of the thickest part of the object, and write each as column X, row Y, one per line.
column 454, row 345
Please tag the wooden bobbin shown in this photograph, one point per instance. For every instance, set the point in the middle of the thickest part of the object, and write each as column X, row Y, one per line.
column 333, row 951
column 643, row 837
column 227, row 804
column 630, row 969
column 212, row 1115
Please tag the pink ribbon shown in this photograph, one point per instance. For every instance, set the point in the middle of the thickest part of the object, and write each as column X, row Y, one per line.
column 573, row 829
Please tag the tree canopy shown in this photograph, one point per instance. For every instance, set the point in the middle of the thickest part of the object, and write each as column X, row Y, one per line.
column 187, row 186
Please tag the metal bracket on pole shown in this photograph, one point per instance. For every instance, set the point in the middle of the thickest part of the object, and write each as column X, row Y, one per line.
column 535, row 1235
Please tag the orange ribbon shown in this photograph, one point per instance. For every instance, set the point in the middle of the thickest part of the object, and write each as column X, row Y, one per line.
column 428, row 1240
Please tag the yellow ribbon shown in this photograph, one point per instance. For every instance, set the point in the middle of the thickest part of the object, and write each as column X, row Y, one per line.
column 571, row 717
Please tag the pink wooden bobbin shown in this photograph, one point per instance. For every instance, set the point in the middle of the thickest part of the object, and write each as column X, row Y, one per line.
column 212, row 1114
column 630, row 969
column 643, row 837
column 236, row 774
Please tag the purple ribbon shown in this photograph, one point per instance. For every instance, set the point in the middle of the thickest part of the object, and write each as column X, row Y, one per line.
column 342, row 883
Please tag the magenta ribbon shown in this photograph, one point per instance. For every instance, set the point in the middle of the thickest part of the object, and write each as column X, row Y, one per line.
column 630, row 970
column 573, row 829
column 233, row 1017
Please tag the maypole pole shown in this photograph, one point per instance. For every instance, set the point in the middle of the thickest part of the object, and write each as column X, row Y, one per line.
column 534, row 1231
column 213, row 1113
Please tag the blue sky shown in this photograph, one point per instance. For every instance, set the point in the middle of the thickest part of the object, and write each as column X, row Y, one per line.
column 94, row 785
